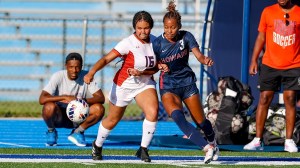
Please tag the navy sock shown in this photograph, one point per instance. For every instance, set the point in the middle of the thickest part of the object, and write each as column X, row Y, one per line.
column 188, row 129
column 208, row 130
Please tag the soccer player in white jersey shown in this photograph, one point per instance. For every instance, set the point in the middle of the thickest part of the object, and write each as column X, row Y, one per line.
column 63, row 87
column 132, row 81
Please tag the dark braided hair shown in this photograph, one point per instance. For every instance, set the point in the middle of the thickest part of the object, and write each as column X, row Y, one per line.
column 142, row 15
column 173, row 13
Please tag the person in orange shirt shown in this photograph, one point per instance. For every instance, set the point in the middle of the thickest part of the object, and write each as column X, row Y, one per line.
column 279, row 33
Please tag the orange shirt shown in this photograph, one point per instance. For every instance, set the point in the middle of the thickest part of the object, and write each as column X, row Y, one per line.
column 282, row 41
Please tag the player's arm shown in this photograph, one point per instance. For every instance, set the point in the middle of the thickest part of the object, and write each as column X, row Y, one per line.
column 151, row 71
column 98, row 97
column 46, row 97
column 113, row 54
column 258, row 46
column 201, row 58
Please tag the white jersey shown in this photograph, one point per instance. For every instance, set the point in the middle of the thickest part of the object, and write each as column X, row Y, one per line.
column 138, row 55
column 59, row 84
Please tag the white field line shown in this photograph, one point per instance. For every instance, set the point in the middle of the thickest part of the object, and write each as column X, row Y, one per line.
column 167, row 162
column 14, row 144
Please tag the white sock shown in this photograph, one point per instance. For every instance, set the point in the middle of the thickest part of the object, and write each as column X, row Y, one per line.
column 257, row 139
column 148, row 132
column 102, row 135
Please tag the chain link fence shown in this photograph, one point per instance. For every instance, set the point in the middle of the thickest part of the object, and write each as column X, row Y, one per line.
column 33, row 49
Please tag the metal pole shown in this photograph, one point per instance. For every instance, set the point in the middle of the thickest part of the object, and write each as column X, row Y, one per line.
column 245, row 42
column 102, row 52
column 84, row 37
column 64, row 43
column 202, row 70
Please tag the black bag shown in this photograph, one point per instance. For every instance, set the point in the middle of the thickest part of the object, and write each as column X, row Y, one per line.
column 235, row 98
column 274, row 133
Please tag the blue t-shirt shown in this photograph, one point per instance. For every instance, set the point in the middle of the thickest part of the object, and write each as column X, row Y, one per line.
column 176, row 56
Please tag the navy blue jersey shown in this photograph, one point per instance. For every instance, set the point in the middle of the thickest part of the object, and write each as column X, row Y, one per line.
column 176, row 56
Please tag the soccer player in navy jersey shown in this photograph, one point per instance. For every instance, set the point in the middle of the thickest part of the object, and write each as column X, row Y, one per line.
column 179, row 84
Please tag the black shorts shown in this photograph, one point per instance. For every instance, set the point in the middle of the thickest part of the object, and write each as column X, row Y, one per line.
column 63, row 121
column 273, row 79
column 183, row 92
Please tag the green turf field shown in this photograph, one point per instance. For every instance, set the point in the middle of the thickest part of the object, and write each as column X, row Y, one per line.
column 131, row 153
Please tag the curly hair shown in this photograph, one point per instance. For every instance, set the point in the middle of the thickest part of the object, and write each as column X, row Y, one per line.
column 142, row 15
column 173, row 13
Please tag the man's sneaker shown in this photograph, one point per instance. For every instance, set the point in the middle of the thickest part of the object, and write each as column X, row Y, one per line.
column 290, row 146
column 255, row 144
column 142, row 153
column 209, row 153
column 96, row 152
column 51, row 138
column 77, row 138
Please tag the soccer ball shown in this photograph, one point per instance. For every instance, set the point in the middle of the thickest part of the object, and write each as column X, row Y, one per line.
column 252, row 128
column 237, row 123
column 274, row 130
column 279, row 122
column 77, row 111
column 246, row 100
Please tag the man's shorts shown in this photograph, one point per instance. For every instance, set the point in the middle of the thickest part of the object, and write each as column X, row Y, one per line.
column 64, row 121
column 182, row 92
column 121, row 97
column 271, row 79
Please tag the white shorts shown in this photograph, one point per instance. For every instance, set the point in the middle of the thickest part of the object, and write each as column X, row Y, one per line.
column 121, row 97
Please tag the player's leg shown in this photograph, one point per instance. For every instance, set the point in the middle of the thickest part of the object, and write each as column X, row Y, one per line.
column 115, row 114
column 147, row 100
column 118, row 101
column 54, row 117
column 95, row 115
column 269, row 82
column 291, row 85
column 265, row 100
column 290, row 115
column 289, row 101
column 173, row 106
column 194, row 105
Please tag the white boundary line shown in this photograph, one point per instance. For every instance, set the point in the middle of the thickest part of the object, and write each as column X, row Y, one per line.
column 168, row 162
column 14, row 144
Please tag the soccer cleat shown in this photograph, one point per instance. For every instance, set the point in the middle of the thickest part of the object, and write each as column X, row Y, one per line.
column 51, row 138
column 255, row 144
column 77, row 138
column 210, row 152
column 216, row 153
column 142, row 153
column 216, row 150
column 96, row 152
column 290, row 146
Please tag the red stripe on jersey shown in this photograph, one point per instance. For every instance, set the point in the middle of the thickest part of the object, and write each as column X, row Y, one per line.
column 161, row 80
column 122, row 74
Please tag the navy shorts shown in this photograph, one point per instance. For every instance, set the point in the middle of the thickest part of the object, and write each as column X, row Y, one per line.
column 271, row 79
column 65, row 121
column 182, row 92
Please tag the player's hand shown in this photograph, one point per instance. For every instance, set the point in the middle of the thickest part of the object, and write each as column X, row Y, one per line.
column 134, row 72
column 208, row 61
column 253, row 68
column 88, row 78
column 163, row 67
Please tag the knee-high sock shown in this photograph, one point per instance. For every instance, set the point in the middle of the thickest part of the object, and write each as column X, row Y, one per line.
column 188, row 129
column 102, row 135
column 208, row 130
column 148, row 132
